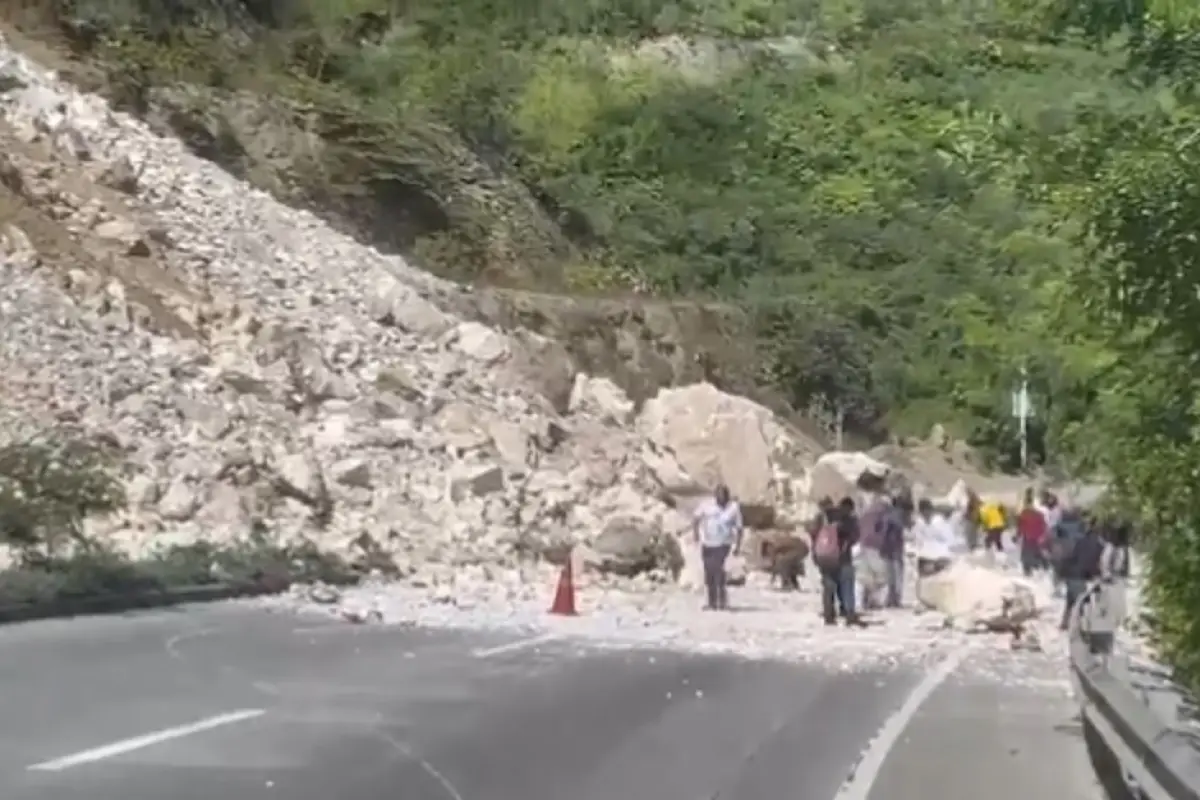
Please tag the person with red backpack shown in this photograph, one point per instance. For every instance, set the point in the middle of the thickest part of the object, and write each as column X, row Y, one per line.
column 833, row 554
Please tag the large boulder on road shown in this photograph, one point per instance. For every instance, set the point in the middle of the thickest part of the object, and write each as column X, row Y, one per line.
column 973, row 596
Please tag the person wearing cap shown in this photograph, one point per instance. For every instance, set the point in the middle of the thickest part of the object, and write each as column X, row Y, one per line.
column 717, row 528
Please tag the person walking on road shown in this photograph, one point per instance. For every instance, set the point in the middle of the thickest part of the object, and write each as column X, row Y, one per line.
column 933, row 539
column 717, row 527
column 870, row 567
column 833, row 552
column 1117, row 533
column 1080, row 565
column 1031, row 534
column 991, row 517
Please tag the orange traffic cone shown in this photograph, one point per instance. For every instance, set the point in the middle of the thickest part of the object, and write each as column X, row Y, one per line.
column 564, row 596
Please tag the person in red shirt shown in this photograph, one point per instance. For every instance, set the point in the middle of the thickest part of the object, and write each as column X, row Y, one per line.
column 1031, row 533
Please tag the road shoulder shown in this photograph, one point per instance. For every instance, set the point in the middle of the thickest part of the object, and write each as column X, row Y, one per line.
column 1001, row 726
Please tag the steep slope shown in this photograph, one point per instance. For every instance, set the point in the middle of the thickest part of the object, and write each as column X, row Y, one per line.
column 858, row 185
column 260, row 372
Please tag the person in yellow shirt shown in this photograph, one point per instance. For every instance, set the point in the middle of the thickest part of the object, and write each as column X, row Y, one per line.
column 993, row 522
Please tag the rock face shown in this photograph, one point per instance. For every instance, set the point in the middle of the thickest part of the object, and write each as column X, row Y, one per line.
column 629, row 546
column 719, row 438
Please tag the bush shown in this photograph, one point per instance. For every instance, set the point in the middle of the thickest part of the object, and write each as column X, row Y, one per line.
column 99, row 573
column 252, row 560
column 48, row 486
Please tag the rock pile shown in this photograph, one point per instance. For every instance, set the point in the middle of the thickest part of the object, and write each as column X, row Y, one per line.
column 262, row 372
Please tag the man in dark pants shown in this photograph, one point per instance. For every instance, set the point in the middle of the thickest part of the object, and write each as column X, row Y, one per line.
column 892, row 546
column 837, row 574
column 717, row 528
column 1080, row 565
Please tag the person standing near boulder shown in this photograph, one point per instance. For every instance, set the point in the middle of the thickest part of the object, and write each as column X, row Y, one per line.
column 891, row 547
column 933, row 539
column 717, row 527
column 833, row 552
column 871, row 569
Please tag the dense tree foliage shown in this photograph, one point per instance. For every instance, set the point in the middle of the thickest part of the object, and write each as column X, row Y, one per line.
column 914, row 200
column 1141, row 215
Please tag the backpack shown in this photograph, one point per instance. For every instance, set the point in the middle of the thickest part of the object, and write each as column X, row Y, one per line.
column 873, row 524
column 826, row 550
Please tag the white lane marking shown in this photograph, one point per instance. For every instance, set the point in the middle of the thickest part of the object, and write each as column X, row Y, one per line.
column 859, row 786
column 147, row 740
column 173, row 643
column 447, row 786
column 511, row 647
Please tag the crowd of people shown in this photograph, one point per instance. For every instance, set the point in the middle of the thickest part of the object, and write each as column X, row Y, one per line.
column 853, row 549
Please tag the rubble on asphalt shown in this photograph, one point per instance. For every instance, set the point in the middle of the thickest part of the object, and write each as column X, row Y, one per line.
column 763, row 623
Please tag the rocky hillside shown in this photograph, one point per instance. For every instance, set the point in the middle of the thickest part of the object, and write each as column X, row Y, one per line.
column 829, row 208
column 260, row 372
column 614, row 329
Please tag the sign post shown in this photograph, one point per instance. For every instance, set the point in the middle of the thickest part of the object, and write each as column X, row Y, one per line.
column 1022, row 409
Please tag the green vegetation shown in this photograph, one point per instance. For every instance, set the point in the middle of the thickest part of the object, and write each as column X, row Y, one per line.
column 50, row 484
column 1139, row 201
column 910, row 200
column 866, row 179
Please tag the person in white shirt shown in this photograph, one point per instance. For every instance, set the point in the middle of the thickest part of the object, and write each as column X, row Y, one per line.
column 933, row 537
column 717, row 528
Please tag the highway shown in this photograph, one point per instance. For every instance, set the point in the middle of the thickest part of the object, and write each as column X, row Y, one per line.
column 231, row 701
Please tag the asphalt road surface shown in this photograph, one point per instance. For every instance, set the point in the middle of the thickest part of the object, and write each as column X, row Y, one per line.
column 233, row 702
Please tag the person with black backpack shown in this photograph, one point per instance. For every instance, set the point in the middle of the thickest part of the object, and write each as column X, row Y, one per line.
column 833, row 553
column 1081, row 564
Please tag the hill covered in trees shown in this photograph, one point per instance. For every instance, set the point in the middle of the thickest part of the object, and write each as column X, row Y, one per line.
column 903, row 202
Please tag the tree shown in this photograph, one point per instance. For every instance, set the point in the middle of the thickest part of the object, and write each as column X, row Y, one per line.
column 1142, row 216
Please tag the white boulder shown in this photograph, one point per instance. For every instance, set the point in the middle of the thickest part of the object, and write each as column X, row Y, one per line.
column 974, row 596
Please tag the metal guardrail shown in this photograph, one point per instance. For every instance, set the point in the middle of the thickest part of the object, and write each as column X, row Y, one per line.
column 1141, row 735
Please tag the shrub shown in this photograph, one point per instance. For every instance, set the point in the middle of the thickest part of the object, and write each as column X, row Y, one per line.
column 48, row 486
